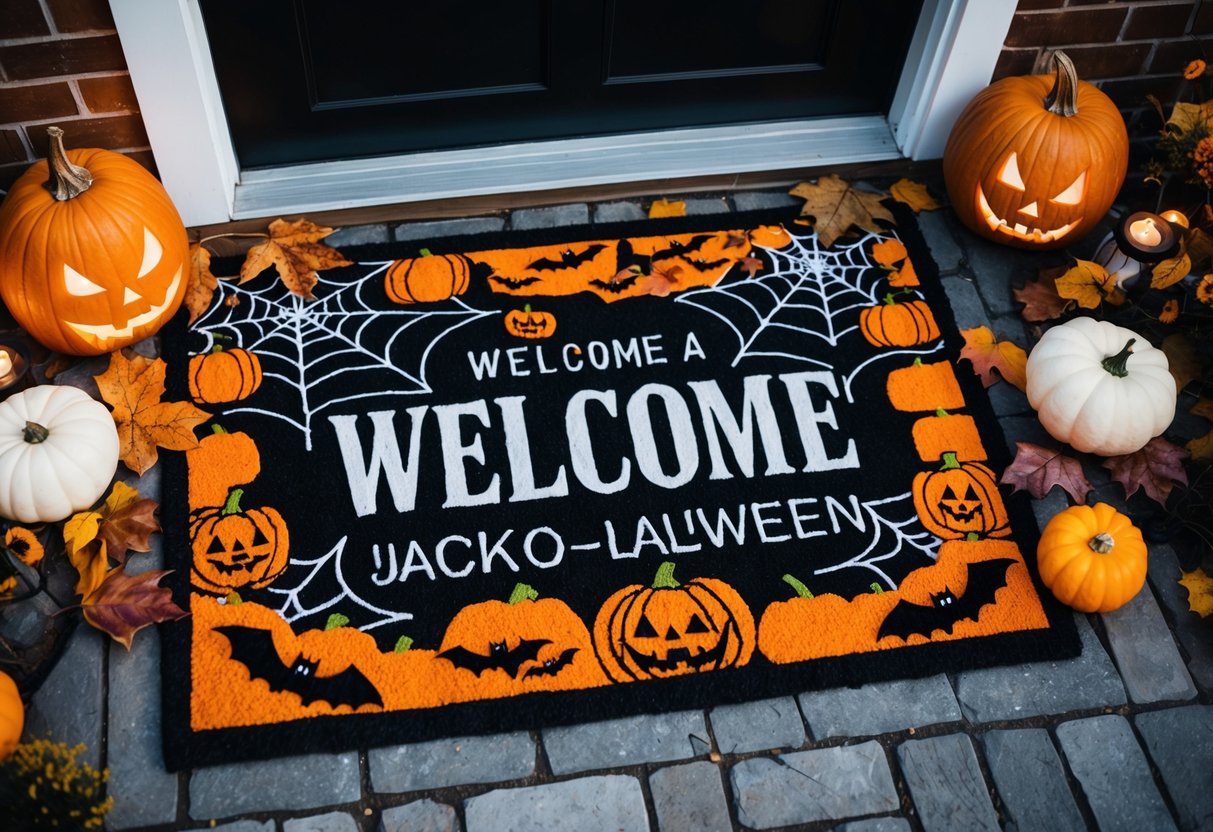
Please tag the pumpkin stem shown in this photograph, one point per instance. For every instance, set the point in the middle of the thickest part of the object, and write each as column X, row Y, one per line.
column 917, row 361
column 949, row 461
column 526, row 308
column 232, row 506
column 939, row 411
column 665, row 577
column 336, row 620
column 802, row 591
column 1101, row 543
column 67, row 181
column 218, row 429
column 1115, row 364
column 425, row 252
column 889, row 299
column 877, row 588
column 403, row 644
column 972, row 536
column 1062, row 100
column 522, row 592
column 34, row 433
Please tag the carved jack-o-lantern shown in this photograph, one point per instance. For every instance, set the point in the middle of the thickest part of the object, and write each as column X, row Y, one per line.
column 959, row 500
column 233, row 547
column 1036, row 161
column 670, row 629
column 93, row 253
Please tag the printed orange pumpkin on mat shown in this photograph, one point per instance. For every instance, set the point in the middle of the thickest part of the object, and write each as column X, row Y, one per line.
column 219, row 463
column 234, row 547
column 809, row 626
column 924, row 387
column 960, row 499
column 529, row 324
column 947, row 432
column 427, row 279
column 224, row 375
column 671, row 628
column 893, row 324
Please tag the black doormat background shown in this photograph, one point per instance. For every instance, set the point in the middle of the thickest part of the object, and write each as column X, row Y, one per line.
column 436, row 357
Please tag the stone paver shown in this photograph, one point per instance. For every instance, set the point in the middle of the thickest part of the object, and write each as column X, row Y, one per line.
column 1031, row 781
column 438, row 229
column 1112, row 769
column 420, row 816
column 590, row 804
column 824, row 784
column 453, row 762
column 763, row 200
column 329, row 822
column 659, row 738
column 552, row 216
column 617, row 212
column 1180, row 742
column 938, row 229
column 946, row 784
column 757, row 726
column 1190, row 629
column 358, row 235
column 1146, row 655
column 700, row 206
column 880, row 707
column 69, row 707
column 886, row 824
column 287, row 784
column 1042, row 688
column 690, row 798
column 240, row 826
column 994, row 273
column 965, row 302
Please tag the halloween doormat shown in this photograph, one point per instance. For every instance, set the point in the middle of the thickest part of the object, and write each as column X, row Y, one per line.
column 506, row 482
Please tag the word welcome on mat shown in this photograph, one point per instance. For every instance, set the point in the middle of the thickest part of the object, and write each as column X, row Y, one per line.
column 514, row 481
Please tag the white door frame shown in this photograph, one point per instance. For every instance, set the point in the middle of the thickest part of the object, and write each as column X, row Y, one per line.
column 951, row 57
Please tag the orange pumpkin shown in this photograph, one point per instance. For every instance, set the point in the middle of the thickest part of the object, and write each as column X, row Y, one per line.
column 12, row 715
column 233, row 547
column 224, row 375
column 218, row 463
column 93, row 254
column 427, row 279
column 936, row 435
column 924, row 387
column 810, row 626
column 1036, row 161
column 670, row 628
column 959, row 500
column 526, row 323
column 1092, row 558
column 893, row 324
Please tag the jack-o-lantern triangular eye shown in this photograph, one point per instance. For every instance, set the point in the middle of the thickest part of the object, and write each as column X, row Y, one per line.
column 1072, row 195
column 152, row 252
column 1009, row 175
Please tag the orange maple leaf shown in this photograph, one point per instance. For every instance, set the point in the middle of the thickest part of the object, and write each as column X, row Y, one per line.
column 1088, row 284
column 914, row 194
column 201, row 286
column 295, row 250
column 667, row 208
column 133, row 388
column 989, row 354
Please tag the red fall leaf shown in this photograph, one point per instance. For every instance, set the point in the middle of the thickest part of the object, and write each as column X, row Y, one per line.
column 1037, row 469
column 124, row 604
column 1154, row 469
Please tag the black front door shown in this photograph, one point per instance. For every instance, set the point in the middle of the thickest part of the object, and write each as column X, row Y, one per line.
column 312, row 80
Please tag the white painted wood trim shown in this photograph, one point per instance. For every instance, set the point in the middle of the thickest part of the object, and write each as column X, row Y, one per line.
column 952, row 57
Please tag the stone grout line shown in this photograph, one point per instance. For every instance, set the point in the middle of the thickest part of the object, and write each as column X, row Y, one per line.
column 1089, row 738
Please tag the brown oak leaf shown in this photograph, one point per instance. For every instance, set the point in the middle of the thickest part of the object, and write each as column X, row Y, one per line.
column 295, row 250
column 1040, row 299
column 128, row 520
column 133, row 388
column 1182, row 359
column 1170, row 271
column 914, row 194
column 1154, row 469
column 836, row 206
column 988, row 354
column 1037, row 469
column 667, row 208
column 201, row 286
column 124, row 604
column 1088, row 284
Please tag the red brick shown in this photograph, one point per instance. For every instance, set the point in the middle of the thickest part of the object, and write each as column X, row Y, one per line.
column 11, row 148
column 1131, row 93
column 1114, row 60
column 23, row 19
column 1157, row 22
column 109, row 132
column 1063, row 28
column 1012, row 62
column 1171, row 57
column 81, row 15
column 62, row 57
column 1203, row 23
column 109, row 94
column 34, row 102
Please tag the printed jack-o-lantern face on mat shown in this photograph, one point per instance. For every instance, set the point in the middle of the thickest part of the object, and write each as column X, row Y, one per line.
column 529, row 324
column 671, row 629
column 960, row 499
column 233, row 547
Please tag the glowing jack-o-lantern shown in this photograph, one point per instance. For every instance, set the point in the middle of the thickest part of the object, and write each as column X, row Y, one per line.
column 93, row 252
column 1036, row 161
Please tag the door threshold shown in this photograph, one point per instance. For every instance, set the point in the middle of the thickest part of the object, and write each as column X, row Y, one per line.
column 562, row 164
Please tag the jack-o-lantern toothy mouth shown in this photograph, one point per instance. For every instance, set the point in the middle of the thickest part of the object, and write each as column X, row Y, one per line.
column 100, row 334
column 1019, row 231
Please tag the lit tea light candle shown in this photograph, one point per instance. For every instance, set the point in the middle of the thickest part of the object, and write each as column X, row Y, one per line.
column 14, row 368
column 1146, row 232
column 1176, row 218
column 1146, row 237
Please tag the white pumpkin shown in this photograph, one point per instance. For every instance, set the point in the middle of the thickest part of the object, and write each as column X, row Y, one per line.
column 58, row 453
column 1100, row 387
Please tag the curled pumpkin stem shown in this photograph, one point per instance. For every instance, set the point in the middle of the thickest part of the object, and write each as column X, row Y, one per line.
column 1116, row 364
column 66, row 181
column 1062, row 100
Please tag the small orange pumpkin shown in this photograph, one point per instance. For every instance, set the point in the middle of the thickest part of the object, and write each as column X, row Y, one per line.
column 960, row 499
column 936, row 435
column 924, row 387
column 526, row 323
column 670, row 628
column 224, row 375
column 12, row 715
column 234, row 547
column 218, row 463
column 893, row 324
column 1092, row 558
column 427, row 279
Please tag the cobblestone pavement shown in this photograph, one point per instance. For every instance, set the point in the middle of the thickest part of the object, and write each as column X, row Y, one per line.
column 1119, row 738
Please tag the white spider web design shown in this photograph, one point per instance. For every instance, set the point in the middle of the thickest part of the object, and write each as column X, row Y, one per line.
column 889, row 538
column 306, row 347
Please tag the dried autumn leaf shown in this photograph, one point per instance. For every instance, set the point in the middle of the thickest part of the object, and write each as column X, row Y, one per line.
column 836, row 206
column 1186, row 117
column 128, row 521
column 1088, row 284
column 1154, row 469
column 666, row 208
column 987, row 355
column 913, row 194
column 201, row 286
column 133, row 388
column 750, row 265
column 1169, row 312
column 1040, row 299
column 124, row 604
column 1200, row 591
column 1182, row 359
column 85, row 552
column 1037, row 469
column 1201, row 447
column 295, row 250
column 1170, row 271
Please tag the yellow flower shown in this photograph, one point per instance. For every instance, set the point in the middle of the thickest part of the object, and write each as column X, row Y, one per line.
column 1194, row 70
column 1170, row 311
column 1202, row 158
column 1204, row 290
column 22, row 543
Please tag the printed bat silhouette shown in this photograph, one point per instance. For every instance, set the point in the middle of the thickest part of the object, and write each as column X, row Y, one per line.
column 677, row 249
column 500, row 657
column 254, row 648
column 946, row 610
column 616, row 284
column 514, row 282
column 569, row 259
column 552, row 666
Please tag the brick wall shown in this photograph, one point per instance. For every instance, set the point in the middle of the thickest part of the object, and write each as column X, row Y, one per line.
column 61, row 63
